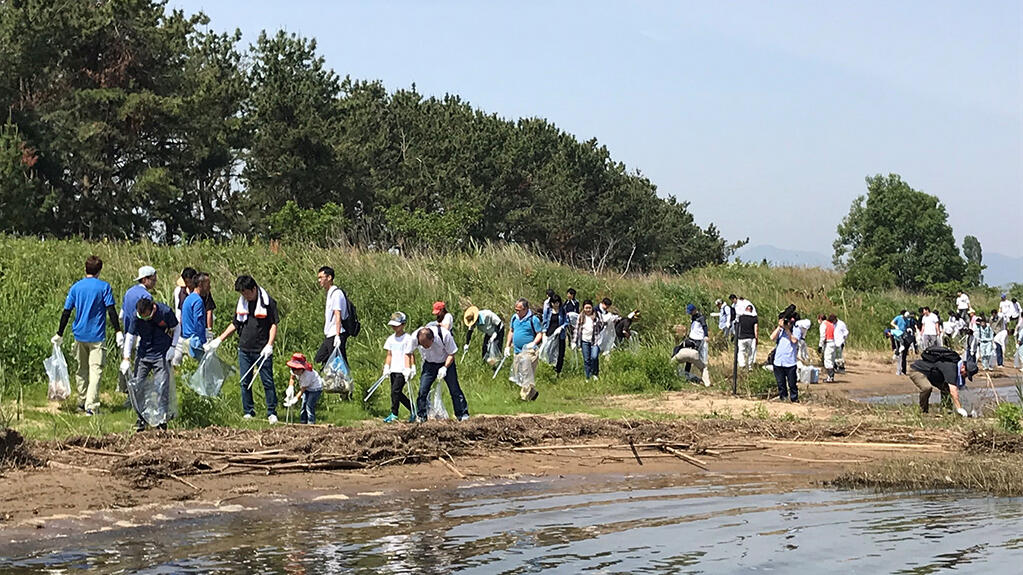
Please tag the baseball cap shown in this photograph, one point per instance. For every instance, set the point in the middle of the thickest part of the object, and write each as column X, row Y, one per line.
column 145, row 272
column 690, row 307
column 438, row 306
column 397, row 318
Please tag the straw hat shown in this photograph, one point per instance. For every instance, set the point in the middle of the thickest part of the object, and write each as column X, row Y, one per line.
column 180, row 282
column 470, row 316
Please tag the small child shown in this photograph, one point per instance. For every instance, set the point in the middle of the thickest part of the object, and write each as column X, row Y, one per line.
column 399, row 365
column 310, row 386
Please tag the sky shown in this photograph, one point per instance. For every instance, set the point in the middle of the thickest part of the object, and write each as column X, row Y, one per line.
column 765, row 116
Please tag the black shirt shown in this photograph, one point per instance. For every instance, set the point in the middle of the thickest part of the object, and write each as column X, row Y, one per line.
column 570, row 306
column 208, row 303
column 254, row 333
column 747, row 326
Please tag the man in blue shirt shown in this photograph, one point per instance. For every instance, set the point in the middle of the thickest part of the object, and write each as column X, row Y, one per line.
column 786, row 336
column 154, row 329
column 193, row 316
column 526, row 332
column 145, row 283
column 89, row 298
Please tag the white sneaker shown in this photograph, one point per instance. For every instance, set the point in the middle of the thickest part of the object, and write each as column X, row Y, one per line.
column 272, row 419
column 247, row 416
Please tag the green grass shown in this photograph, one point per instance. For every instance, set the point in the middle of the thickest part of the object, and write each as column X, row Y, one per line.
column 35, row 276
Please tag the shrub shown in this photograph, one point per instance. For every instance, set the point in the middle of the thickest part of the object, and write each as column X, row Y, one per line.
column 1009, row 417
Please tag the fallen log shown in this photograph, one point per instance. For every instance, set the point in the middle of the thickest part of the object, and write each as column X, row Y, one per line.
column 656, row 445
column 867, row 445
column 687, row 458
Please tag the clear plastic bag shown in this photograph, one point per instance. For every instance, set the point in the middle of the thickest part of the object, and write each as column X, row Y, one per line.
column 337, row 377
column 494, row 354
column 549, row 347
column 606, row 340
column 524, row 369
column 209, row 377
column 56, row 371
column 437, row 410
column 145, row 396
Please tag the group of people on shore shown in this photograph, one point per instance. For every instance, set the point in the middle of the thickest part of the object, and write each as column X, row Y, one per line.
column 156, row 337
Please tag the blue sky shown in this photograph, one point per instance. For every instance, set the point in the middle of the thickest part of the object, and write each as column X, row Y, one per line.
column 766, row 116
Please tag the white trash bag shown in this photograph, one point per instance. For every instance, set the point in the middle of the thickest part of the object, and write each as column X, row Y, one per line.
column 606, row 339
column 524, row 369
column 436, row 409
column 337, row 377
column 56, row 370
column 209, row 377
column 549, row 347
column 494, row 354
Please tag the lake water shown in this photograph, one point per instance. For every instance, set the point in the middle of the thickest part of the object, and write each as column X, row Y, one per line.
column 628, row 525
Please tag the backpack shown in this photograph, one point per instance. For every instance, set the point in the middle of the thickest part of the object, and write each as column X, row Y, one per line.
column 350, row 323
column 940, row 355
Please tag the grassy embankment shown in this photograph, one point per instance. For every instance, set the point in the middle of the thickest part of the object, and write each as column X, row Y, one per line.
column 35, row 275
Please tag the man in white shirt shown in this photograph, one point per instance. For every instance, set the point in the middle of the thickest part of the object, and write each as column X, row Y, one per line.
column 335, row 312
column 1007, row 308
column 930, row 328
column 962, row 304
column 437, row 347
column 841, row 335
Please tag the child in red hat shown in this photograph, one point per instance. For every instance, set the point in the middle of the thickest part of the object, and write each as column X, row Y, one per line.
column 310, row 386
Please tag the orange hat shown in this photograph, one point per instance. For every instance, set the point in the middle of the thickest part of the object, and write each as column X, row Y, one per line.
column 298, row 361
column 438, row 306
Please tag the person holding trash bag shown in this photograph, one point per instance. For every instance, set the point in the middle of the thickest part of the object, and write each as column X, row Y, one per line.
column 555, row 319
column 310, row 387
column 399, row 365
column 437, row 347
column 525, row 334
column 943, row 369
column 490, row 326
column 145, row 283
column 587, row 335
column 154, row 330
column 334, row 314
column 255, row 320
column 92, row 300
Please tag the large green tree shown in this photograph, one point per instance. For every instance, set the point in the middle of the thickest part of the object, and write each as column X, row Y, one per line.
column 974, row 261
column 896, row 236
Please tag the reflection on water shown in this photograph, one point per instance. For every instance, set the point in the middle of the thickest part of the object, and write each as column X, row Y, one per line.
column 637, row 525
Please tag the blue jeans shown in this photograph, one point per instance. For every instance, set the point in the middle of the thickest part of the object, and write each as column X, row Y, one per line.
column 591, row 359
column 309, row 401
column 246, row 359
column 426, row 382
column 783, row 375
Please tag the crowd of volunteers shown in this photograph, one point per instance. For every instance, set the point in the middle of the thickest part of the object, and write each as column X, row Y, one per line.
column 156, row 338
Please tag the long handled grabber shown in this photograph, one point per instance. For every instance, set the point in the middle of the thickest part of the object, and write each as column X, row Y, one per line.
column 374, row 387
column 254, row 369
column 499, row 366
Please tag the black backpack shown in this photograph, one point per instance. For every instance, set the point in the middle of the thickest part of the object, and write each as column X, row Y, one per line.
column 940, row 355
column 351, row 322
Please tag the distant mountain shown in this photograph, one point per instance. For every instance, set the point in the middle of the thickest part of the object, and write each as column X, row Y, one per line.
column 782, row 257
column 1001, row 270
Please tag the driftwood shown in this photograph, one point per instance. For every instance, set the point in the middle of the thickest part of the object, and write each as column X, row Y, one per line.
column 687, row 458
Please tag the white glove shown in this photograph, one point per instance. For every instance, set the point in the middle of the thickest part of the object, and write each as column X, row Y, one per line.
column 493, row 338
column 507, row 351
column 212, row 346
column 442, row 372
column 411, row 373
column 125, row 366
column 387, row 369
column 57, row 340
column 119, row 338
column 529, row 345
column 337, row 340
column 267, row 351
column 289, row 397
column 210, row 336
column 573, row 346
column 407, row 372
column 961, row 412
column 465, row 348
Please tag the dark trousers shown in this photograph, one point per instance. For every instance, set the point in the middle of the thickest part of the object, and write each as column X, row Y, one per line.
column 999, row 357
column 783, row 375
column 327, row 348
column 398, row 397
column 426, row 382
column 309, row 401
column 246, row 359
column 561, row 355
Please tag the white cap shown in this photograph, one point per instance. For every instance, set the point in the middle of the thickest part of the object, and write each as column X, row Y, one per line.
column 145, row 272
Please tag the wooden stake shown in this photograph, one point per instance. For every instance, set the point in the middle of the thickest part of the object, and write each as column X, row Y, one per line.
column 686, row 458
column 635, row 453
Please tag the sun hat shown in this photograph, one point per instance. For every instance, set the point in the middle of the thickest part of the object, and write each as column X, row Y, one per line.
column 298, row 361
column 180, row 282
column 438, row 306
column 470, row 316
column 145, row 272
column 397, row 318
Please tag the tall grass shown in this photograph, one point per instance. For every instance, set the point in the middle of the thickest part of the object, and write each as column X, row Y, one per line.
column 35, row 276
